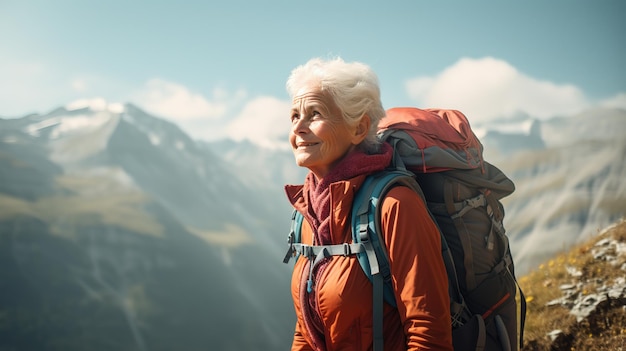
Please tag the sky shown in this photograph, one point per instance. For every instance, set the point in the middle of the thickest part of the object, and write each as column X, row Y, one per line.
column 218, row 68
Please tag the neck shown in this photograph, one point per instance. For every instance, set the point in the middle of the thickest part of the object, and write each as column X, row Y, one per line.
column 321, row 173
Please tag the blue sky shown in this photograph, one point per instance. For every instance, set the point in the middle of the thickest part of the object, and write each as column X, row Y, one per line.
column 219, row 68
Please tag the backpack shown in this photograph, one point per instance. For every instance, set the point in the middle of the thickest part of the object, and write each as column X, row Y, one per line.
column 438, row 156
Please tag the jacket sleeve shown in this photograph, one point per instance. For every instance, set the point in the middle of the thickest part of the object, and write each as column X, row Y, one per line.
column 418, row 272
column 299, row 342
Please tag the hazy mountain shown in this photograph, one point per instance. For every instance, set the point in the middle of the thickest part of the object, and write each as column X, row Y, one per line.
column 567, row 190
column 120, row 232
column 500, row 144
column 257, row 165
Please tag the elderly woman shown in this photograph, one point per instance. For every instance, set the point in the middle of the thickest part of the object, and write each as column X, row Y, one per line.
column 335, row 111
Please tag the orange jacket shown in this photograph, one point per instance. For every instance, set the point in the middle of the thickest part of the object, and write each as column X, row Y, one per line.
column 344, row 294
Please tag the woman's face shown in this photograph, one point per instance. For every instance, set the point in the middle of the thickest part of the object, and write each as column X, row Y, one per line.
column 319, row 135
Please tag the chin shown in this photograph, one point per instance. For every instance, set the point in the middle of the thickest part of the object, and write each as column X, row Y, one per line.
column 302, row 164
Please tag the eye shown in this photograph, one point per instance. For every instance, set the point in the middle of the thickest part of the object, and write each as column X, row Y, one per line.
column 294, row 117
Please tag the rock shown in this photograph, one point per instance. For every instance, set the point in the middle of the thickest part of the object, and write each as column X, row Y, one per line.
column 587, row 305
column 555, row 334
column 573, row 271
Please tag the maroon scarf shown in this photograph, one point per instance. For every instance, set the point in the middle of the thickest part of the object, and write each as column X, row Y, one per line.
column 318, row 215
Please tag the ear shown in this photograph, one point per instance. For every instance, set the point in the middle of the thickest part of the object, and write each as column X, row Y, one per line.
column 361, row 130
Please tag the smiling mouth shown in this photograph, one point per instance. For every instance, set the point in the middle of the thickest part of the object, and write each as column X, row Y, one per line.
column 303, row 145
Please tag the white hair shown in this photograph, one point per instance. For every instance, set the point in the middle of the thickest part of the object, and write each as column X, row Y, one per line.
column 353, row 86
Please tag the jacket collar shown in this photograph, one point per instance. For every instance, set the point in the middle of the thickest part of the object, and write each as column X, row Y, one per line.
column 341, row 197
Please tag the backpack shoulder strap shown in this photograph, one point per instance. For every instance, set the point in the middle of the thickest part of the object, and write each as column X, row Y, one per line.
column 366, row 230
column 366, row 226
column 295, row 234
column 296, row 226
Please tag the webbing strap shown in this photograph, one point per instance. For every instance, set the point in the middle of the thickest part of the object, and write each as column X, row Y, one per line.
column 466, row 205
column 522, row 315
column 377, row 297
column 377, row 312
column 506, row 264
column 315, row 254
column 320, row 251
column 458, row 308
column 507, row 261
column 464, row 235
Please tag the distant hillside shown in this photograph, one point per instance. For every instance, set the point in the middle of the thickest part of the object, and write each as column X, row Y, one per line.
column 577, row 300
column 569, row 175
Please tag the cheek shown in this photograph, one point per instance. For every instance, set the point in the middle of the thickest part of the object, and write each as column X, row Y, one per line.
column 291, row 137
column 336, row 137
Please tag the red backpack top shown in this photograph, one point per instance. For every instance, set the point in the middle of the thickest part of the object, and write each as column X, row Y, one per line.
column 443, row 146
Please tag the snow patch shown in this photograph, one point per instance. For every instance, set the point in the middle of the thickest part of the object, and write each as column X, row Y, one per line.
column 82, row 123
column 506, row 127
column 100, row 113
column 35, row 128
column 95, row 104
column 10, row 139
column 154, row 139
column 75, row 137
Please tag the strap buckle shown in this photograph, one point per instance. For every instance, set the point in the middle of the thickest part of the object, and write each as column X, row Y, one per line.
column 346, row 250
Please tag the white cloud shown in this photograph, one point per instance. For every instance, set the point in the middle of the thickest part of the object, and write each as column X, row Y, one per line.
column 202, row 117
column 95, row 104
column 175, row 101
column 617, row 101
column 489, row 88
column 264, row 121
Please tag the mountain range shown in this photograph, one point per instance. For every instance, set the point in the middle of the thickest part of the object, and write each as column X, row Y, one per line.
column 118, row 231
column 569, row 174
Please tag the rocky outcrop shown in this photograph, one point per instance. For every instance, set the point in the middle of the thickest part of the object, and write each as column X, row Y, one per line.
column 592, row 301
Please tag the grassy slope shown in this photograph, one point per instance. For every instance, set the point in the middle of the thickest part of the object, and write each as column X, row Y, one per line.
column 605, row 330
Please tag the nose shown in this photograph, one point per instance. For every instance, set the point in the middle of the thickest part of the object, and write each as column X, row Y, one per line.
column 300, row 126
